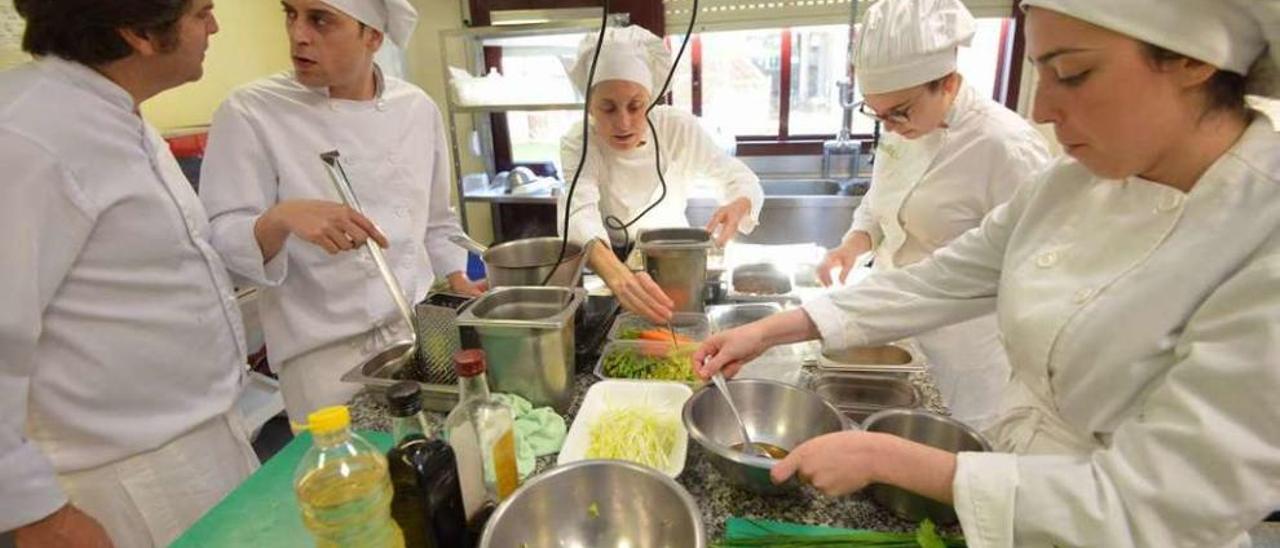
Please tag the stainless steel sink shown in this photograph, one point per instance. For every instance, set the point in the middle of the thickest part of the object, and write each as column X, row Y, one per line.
column 815, row 187
column 796, row 211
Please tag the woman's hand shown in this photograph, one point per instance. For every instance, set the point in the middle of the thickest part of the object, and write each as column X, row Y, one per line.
column 728, row 351
column 638, row 293
column 844, row 462
column 458, row 283
column 844, row 257
column 724, row 222
column 835, row 464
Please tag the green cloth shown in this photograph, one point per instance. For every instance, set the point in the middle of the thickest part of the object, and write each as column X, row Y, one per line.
column 263, row 511
column 539, row 432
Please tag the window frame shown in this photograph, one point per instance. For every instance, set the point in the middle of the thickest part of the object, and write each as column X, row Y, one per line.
column 649, row 14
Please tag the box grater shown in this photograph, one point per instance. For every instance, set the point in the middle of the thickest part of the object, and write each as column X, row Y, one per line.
column 438, row 337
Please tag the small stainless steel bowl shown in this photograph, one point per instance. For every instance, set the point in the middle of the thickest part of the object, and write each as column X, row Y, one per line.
column 930, row 429
column 775, row 413
column 598, row 503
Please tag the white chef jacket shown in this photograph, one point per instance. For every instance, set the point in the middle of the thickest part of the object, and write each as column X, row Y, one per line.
column 623, row 184
column 1143, row 327
column 927, row 191
column 264, row 148
column 119, row 330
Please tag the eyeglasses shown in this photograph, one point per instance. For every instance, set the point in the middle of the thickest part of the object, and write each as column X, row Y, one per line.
column 899, row 116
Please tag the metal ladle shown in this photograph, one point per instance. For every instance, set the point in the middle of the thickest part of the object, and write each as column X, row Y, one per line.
column 340, row 181
column 747, row 446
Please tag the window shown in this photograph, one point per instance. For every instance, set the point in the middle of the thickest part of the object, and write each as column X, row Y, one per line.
column 741, row 74
column 535, row 135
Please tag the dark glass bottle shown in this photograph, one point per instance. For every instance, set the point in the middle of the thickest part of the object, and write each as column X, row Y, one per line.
column 427, row 503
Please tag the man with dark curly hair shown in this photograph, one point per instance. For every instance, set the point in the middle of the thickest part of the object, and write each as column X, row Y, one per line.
column 121, row 344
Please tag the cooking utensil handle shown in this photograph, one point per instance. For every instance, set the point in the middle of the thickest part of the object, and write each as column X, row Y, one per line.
column 333, row 167
column 465, row 242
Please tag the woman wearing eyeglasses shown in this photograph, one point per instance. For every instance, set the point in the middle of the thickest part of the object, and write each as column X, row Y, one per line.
column 948, row 157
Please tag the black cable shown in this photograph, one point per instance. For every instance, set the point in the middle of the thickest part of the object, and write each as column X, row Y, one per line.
column 611, row 221
column 586, row 137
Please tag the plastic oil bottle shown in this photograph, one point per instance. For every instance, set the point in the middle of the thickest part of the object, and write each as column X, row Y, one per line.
column 343, row 487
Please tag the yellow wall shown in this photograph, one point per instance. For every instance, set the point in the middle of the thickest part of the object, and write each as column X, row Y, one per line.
column 250, row 44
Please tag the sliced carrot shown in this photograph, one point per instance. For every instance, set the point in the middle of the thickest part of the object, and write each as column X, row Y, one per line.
column 662, row 335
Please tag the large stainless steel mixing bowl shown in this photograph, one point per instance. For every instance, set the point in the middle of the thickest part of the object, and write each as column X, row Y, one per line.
column 597, row 503
column 775, row 413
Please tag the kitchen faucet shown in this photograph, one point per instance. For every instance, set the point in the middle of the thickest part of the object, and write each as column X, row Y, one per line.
column 843, row 144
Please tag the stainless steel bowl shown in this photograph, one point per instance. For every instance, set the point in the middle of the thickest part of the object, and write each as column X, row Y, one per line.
column 930, row 429
column 597, row 503
column 860, row 395
column 775, row 413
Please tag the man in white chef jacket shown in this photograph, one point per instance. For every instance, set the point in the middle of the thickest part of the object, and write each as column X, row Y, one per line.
column 121, row 346
column 276, row 217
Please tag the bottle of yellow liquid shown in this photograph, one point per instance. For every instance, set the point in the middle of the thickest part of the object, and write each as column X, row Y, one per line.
column 481, row 431
column 343, row 486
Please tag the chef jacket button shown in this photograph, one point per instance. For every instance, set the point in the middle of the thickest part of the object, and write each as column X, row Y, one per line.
column 1047, row 259
column 1082, row 296
column 1170, row 202
column 380, row 104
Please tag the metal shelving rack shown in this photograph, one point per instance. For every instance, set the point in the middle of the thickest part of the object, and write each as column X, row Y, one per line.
column 471, row 40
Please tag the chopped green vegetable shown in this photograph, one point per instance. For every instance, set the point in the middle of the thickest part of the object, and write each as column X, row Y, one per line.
column 636, row 434
column 630, row 333
column 927, row 536
column 630, row 363
column 593, row 511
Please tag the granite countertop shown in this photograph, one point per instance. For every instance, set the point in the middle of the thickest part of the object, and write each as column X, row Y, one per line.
column 717, row 499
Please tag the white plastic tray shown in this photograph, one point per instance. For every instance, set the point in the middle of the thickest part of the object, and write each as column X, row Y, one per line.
column 666, row 398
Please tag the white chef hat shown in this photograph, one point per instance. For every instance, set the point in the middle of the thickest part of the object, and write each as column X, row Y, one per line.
column 628, row 53
column 394, row 18
column 904, row 43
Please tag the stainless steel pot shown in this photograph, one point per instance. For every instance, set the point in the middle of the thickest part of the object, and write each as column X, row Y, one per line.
column 527, row 335
column 930, row 429
column 527, row 262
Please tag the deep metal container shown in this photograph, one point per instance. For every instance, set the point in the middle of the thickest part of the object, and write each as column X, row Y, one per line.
column 391, row 366
column 930, row 429
column 889, row 358
column 597, row 503
column 528, row 337
column 676, row 259
column 728, row 316
column 860, row 395
column 773, row 412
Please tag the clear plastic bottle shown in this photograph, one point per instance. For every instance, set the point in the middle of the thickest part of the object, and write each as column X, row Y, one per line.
column 343, row 487
column 481, row 431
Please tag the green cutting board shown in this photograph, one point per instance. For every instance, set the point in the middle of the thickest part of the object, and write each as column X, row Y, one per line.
column 262, row 511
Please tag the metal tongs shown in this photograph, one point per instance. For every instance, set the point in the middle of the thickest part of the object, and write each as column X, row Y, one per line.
column 340, row 181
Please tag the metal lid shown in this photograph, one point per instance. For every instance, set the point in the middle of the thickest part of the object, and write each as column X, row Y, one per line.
column 469, row 363
column 404, row 398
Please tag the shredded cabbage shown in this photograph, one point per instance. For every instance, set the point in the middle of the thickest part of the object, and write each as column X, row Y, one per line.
column 636, row 434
